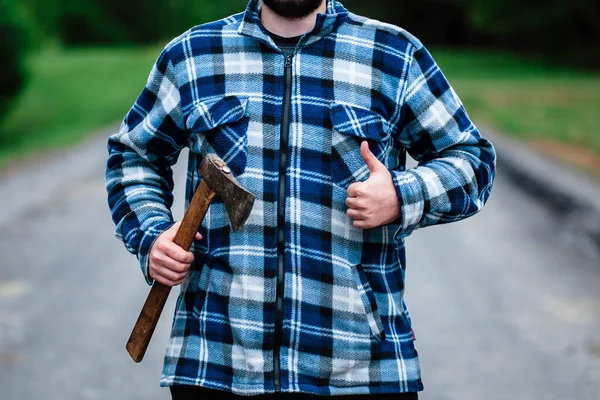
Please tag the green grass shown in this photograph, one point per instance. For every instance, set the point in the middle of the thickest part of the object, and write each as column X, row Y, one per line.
column 72, row 93
column 526, row 99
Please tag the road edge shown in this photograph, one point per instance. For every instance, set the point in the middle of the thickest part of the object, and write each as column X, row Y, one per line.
column 33, row 182
column 571, row 194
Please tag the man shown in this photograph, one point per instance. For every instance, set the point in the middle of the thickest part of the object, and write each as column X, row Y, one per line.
column 313, row 108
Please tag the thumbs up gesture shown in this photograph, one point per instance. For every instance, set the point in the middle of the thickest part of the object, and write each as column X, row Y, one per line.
column 374, row 202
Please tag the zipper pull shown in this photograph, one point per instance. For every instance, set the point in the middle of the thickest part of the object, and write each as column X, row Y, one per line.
column 288, row 61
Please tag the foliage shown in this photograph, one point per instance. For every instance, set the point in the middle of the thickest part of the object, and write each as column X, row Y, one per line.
column 105, row 22
column 185, row 14
column 70, row 94
column 563, row 31
column 12, row 52
column 435, row 22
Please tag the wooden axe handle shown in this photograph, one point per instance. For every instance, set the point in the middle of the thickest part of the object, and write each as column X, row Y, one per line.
column 146, row 322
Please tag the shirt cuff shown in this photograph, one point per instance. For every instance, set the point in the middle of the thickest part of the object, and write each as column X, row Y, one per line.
column 411, row 201
column 148, row 239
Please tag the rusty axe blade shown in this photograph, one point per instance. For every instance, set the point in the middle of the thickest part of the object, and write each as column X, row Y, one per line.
column 238, row 201
column 216, row 179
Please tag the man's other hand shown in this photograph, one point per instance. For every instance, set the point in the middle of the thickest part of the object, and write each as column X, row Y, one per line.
column 169, row 263
column 374, row 202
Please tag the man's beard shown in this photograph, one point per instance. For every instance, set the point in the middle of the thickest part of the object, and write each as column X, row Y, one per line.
column 293, row 9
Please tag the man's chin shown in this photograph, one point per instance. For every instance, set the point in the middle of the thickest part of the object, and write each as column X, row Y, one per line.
column 293, row 9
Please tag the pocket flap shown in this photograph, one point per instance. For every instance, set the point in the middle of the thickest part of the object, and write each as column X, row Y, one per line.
column 208, row 115
column 359, row 122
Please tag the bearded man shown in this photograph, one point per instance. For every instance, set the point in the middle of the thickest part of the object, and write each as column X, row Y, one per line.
column 314, row 109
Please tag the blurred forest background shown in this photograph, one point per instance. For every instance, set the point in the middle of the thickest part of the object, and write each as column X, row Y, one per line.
column 528, row 68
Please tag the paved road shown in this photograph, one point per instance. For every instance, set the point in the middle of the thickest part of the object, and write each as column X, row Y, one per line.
column 505, row 305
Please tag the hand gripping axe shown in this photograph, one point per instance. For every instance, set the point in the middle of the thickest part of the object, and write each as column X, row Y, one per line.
column 216, row 179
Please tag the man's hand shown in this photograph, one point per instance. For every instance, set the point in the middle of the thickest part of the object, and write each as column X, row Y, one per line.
column 169, row 263
column 374, row 202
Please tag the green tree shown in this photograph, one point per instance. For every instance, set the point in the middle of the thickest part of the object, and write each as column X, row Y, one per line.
column 136, row 21
column 435, row 22
column 563, row 31
column 12, row 53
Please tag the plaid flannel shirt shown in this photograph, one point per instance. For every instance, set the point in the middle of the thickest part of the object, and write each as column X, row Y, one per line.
column 219, row 88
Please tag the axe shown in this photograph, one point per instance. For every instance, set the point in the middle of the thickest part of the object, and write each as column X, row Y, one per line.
column 216, row 179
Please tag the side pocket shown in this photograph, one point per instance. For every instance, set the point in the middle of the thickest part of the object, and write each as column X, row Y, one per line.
column 221, row 127
column 368, row 299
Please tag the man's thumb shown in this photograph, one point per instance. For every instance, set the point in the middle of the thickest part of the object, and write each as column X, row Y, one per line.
column 172, row 231
column 372, row 162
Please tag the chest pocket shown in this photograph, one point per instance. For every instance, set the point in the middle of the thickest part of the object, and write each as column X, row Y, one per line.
column 221, row 127
column 351, row 126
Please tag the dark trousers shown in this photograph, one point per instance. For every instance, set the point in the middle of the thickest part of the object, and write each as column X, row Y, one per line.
column 200, row 393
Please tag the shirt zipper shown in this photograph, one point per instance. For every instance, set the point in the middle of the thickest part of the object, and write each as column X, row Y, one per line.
column 283, row 158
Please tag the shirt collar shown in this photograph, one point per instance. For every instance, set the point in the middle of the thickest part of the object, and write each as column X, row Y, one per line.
column 252, row 26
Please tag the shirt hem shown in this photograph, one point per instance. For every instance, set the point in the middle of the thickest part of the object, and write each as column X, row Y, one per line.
column 330, row 390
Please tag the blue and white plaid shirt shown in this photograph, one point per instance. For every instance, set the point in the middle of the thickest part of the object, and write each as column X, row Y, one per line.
column 219, row 88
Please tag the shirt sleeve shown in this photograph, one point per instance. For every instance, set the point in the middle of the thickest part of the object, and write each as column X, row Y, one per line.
column 139, row 178
column 456, row 166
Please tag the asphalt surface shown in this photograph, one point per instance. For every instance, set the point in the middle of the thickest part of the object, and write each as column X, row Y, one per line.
column 504, row 305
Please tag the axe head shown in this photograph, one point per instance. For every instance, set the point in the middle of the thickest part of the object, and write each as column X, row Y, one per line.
column 238, row 201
